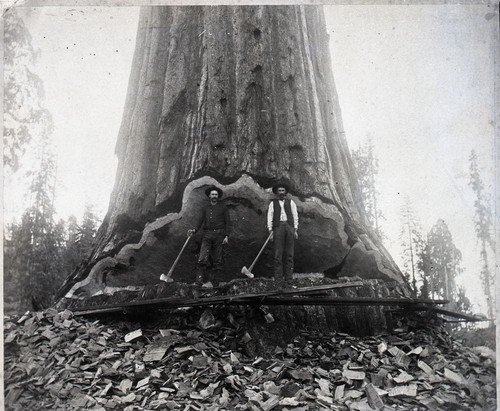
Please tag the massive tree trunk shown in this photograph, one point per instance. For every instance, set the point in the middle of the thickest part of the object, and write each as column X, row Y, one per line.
column 240, row 97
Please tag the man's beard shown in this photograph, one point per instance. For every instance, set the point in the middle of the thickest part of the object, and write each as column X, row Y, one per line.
column 213, row 200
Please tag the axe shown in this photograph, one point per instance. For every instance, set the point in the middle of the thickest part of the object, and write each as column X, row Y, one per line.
column 248, row 271
column 167, row 278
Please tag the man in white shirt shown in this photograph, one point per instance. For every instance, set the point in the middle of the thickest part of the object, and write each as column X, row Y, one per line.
column 283, row 223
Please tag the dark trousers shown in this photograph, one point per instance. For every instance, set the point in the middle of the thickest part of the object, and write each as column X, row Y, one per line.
column 283, row 238
column 211, row 244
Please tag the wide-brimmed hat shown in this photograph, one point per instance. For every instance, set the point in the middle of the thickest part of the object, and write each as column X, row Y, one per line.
column 282, row 185
column 212, row 188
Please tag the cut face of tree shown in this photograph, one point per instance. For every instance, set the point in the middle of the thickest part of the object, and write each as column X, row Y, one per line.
column 239, row 97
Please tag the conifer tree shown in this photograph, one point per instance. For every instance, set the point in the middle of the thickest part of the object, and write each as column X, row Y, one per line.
column 24, row 114
column 412, row 244
column 80, row 238
column 463, row 303
column 441, row 262
column 36, row 245
column 366, row 164
column 483, row 221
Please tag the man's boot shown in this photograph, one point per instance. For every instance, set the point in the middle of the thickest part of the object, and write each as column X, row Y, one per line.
column 216, row 276
column 200, row 275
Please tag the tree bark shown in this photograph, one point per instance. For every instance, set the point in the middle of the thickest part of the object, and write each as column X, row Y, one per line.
column 240, row 97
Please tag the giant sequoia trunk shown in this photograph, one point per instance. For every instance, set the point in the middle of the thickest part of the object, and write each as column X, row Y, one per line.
column 240, row 97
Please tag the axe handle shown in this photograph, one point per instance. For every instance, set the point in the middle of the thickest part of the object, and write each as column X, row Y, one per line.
column 260, row 252
column 179, row 256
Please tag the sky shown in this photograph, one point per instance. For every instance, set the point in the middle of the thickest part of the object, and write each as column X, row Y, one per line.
column 416, row 79
column 86, row 55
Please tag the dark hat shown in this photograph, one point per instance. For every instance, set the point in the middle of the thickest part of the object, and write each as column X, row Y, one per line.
column 212, row 188
column 282, row 185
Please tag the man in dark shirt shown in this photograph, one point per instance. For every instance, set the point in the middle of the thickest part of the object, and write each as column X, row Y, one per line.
column 216, row 225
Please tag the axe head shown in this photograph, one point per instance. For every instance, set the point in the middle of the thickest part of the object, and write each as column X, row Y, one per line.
column 166, row 278
column 245, row 271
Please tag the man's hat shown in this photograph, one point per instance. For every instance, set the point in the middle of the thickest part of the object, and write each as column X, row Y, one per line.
column 280, row 185
column 212, row 188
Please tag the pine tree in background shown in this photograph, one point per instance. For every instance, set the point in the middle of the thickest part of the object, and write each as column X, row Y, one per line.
column 32, row 246
column 80, row 238
column 24, row 115
column 40, row 253
column 463, row 303
column 366, row 164
column 35, row 266
column 424, row 265
column 88, row 229
column 483, row 221
column 427, row 289
column 412, row 244
column 72, row 255
column 464, row 330
column 37, row 249
column 17, row 250
column 440, row 262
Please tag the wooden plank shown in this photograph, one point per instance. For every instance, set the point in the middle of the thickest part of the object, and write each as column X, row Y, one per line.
column 404, row 377
column 246, row 300
column 453, row 376
column 291, row 296
column 425, row 368
column 403, row 391
column 325, row 287
column 373, row 397
column 302, row 290
column 177, row 301
column 155, row 351
column 354, row 375
column 453, row 314
column 331, row 300
column 133, row 335
column 339, row 392
column 461, row 316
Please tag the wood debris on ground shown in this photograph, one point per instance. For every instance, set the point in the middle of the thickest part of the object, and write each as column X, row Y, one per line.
column 56, row 361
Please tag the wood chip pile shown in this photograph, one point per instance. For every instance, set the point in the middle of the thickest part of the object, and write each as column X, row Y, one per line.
column 56, row 361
